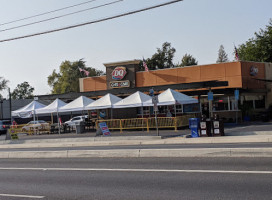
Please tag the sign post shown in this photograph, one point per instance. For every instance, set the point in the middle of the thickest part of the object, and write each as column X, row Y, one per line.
column 236, row 94
column 210, row 99
column 155, row 102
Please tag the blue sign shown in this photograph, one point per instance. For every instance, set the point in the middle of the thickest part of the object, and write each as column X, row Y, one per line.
column 236, row 93
column 151, row 92
column 104, row 128
column 210, row 96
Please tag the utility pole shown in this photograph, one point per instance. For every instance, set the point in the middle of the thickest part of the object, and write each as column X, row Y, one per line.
column 10, row 104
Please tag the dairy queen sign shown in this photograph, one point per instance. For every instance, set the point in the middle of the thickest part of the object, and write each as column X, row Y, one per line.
column 118, row 74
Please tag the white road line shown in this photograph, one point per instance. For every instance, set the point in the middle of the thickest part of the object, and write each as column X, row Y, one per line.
column 143, row 170
column 22, row 196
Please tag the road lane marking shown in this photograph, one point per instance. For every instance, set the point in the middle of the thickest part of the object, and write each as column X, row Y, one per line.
column 22, row 196
column 143, row 170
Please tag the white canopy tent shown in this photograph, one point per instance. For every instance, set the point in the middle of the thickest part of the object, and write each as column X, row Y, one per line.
column 28, row 110
column 52, row 108
column 78, row 104
column 104, row 102
column 137, row 99
column 171, row 97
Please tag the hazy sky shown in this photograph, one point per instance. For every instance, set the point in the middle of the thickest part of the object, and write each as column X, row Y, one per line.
column 197, row 27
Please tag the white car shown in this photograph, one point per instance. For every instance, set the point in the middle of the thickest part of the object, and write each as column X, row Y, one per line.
column 75, row 120
column 35, row 125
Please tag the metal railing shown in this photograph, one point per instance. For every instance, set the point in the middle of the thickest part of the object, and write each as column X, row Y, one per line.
column 30, row 130
column 147, row 123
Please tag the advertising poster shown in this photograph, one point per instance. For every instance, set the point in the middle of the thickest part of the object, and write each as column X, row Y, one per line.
column 104, row 128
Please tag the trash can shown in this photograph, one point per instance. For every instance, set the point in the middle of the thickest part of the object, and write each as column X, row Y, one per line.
column 194, row 126
column 79, row 127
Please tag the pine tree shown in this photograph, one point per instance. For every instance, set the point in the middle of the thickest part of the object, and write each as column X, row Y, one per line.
column 222, row 55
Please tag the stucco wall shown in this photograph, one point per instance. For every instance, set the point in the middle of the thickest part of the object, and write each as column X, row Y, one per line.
column 230, row 72
column 268, row 75
column 236, row 73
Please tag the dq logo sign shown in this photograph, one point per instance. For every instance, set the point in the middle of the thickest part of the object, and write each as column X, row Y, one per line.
column 253, row 71
column 119, row 73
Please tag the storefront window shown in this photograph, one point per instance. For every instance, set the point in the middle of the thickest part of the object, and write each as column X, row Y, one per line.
column 187, row 108
column 162, row 109
column 179, row 108
column 220, row 103
column 144, row 109
column 255, row 101
column 260, row 103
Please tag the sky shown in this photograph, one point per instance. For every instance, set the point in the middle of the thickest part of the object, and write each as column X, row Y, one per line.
column 196, row 27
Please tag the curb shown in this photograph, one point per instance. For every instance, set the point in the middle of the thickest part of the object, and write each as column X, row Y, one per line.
column 120, row 141
column 143, row 153
column 81, row 139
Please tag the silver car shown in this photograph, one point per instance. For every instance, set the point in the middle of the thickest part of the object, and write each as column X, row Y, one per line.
column 75, row 120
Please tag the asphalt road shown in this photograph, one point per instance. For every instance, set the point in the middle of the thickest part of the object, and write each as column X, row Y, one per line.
column 150, row 178
column 157, row 146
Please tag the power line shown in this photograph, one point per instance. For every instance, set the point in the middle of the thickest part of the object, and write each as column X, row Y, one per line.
column 92, row 22
column 45, row 13
column 57, row 17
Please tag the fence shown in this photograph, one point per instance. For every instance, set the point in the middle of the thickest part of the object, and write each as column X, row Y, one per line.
column 147, row 123
column 30, row 129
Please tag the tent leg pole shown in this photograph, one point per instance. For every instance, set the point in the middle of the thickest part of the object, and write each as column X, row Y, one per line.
column 58, row 122
column 142, row 118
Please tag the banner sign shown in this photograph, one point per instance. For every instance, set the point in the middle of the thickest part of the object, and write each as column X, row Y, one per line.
column 25, row 114
column 104, row 128
column 210, row 96
column 236, row 93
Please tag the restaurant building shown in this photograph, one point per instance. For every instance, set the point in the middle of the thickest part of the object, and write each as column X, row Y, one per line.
column 236, row 88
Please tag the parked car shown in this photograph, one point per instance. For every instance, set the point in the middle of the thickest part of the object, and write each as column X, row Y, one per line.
column 4, row 124
column 37, row 125
column 73, row 121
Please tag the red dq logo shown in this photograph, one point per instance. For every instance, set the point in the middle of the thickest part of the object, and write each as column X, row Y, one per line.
column 119, row 73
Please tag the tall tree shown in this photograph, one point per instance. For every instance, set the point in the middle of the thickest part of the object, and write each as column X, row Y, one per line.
column 67, row 80
column 3, row 84
column 258, row 48
column 188, row 60
column 222, row 55
column 23, row 91
column 163, row 58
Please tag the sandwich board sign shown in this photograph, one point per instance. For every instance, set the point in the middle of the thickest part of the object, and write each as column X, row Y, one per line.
column 104, row 128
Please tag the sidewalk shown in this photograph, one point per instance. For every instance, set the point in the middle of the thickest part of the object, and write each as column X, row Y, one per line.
column 247, row 135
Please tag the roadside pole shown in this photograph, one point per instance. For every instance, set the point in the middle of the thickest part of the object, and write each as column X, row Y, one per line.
column 155, row 102
column 236, row 94
column 10, row 110
column 210, row 99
